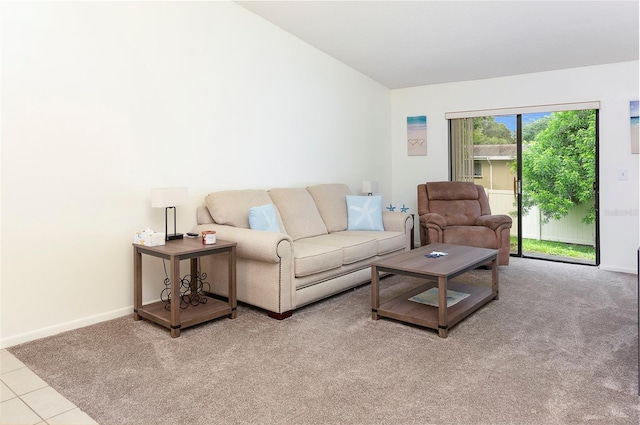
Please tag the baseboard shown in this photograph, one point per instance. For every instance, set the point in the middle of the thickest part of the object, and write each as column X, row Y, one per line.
column 63, row 327
column 618, row 269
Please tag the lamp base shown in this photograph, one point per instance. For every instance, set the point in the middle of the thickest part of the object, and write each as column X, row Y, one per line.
column 174, row 236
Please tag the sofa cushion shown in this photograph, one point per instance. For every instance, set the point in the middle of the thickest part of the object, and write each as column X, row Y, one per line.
column 354, row 247
column 311, row 258
column 331, row 202
column 387, row 241
column 231, row 207
column 264, row 218
column 364, row 213
column 298, row 212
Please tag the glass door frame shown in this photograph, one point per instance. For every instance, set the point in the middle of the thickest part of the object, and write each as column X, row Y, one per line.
column 596, row 191
column 518, row 113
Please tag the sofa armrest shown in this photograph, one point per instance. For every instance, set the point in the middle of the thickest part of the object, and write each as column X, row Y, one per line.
column 397, row 221
column 252, row 244
column 433, row 219
column 494, row 221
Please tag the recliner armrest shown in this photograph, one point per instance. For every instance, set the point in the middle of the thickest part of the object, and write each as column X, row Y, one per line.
column 494, row 221
column 433, row 219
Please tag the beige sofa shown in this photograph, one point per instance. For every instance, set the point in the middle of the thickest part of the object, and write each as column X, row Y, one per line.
column 312, row 257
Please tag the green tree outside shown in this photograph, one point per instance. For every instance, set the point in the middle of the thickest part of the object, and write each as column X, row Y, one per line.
column 559, row 165
column 487, row 131
column 531, row 130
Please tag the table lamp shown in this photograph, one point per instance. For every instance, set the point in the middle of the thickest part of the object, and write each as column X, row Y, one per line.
column 369, row 187
column 167, row 198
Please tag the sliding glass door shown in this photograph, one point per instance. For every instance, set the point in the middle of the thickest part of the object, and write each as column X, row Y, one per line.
column 540, row 168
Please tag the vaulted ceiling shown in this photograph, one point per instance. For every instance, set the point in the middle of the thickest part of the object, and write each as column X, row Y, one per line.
column 411, row 43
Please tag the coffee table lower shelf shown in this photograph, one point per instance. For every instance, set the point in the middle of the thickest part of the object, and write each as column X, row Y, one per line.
column 401, row 308
column 190, row 316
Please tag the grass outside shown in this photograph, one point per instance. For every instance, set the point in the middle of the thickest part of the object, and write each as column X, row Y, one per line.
column 559, row 249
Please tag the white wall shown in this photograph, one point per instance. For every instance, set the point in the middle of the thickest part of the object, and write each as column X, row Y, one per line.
column 103, row 101
column 613, row 85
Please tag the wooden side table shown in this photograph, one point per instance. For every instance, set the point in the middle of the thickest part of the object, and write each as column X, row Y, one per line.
column 178, row 318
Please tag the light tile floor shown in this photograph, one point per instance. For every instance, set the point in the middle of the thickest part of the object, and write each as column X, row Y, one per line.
column 25, row 399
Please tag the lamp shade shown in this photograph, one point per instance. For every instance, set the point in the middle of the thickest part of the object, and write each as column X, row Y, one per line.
column 369, row 186
column 168, row 197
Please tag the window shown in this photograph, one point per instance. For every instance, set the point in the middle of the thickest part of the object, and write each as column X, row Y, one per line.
column 477, row 169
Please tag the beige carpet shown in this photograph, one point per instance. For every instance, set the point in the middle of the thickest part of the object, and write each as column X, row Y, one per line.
column 559, row 347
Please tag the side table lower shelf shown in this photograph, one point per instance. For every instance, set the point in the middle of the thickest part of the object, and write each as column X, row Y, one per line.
column 190, row 316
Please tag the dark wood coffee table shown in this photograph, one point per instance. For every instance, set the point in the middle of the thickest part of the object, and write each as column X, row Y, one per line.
column 460, row 259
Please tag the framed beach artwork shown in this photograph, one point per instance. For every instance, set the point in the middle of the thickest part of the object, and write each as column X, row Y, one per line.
column 417, row 135
column 635, row 126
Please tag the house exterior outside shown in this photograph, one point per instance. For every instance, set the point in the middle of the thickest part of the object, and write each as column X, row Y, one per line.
column 493, row 166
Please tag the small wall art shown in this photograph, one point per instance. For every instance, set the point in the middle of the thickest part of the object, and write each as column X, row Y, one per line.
column 417, row 135
column 635, row 126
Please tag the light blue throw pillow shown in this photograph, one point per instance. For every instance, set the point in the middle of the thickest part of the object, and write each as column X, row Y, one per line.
column 264, row 218
column 364, row 212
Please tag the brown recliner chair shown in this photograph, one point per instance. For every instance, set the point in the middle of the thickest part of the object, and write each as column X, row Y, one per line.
column 458, row 213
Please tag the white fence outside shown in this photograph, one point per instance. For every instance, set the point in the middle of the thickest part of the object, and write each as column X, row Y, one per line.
column 569, row 229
